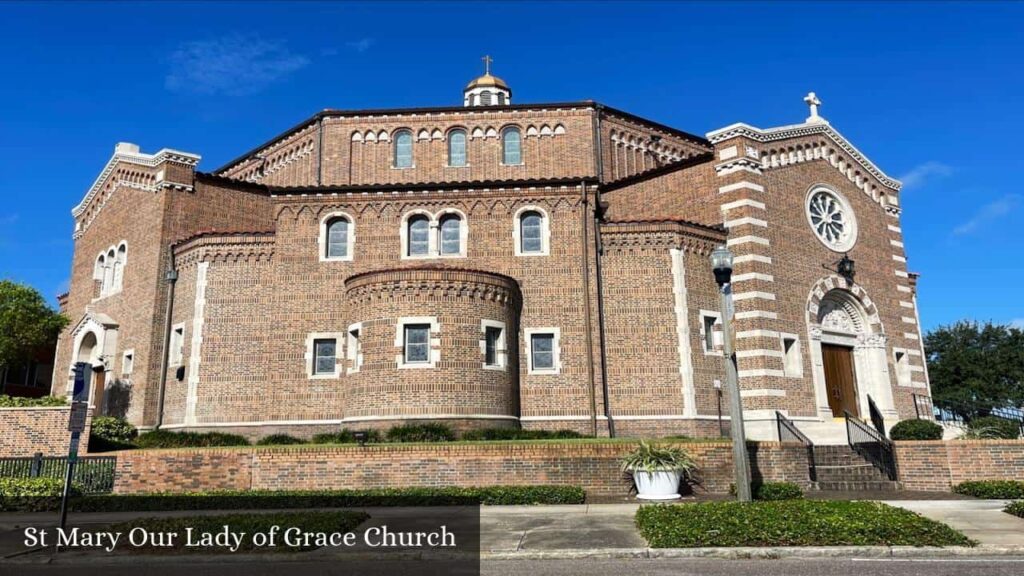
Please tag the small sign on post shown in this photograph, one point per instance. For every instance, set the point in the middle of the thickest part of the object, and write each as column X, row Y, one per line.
column 79, row 414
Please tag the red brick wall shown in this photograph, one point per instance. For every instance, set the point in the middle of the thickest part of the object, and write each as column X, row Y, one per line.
column 938, row 466
column 595, row 467
column 25, row 431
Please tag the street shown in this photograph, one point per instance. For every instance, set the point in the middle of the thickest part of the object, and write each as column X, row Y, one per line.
column 992, row 566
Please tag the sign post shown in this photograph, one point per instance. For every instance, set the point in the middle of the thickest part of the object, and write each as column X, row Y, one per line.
column 76, row 425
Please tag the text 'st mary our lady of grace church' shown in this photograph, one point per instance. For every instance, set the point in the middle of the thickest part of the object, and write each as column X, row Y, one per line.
column 494, row 264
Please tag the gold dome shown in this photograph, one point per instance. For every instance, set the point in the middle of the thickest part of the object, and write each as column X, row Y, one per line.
column 487, row 81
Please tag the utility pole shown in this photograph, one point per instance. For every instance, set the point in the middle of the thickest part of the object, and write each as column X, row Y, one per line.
column 721, row 263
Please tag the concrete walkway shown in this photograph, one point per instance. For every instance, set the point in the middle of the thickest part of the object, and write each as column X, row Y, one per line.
column 982, row 520
column 567, row 530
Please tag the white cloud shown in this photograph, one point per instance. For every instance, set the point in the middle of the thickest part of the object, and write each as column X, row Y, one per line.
column 988, row 213
column 921, row 173
column 234, row 65
column 361, row 45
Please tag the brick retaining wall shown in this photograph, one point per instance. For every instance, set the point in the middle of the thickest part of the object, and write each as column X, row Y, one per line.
column 595, row 467
column 25, row 431
column 937, row 466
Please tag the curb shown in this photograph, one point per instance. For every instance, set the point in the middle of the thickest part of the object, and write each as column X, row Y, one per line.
column 754, row 553
column 739, row 553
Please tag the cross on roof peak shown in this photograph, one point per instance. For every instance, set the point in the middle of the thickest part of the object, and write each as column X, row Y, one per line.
column 487, row 64
column 813, row 102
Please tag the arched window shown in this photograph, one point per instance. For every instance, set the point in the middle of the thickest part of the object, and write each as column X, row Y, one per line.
column 403, row 149
column 485, row 98
column 501, row 98
column 457, row 148
column 337, row 238
column 531, row 232
column 108, row 274
column 511, row 149
column 119, row 260
column 451, row 235
column 100, row 271
column 419, row 236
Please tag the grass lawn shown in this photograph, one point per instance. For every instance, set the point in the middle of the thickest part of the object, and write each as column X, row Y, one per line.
column 791, row 523
column 245, row 524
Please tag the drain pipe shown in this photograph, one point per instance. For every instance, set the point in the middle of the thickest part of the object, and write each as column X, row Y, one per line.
column 599, row 249
column 320, row 153
column 171, row 276
column 585, row 255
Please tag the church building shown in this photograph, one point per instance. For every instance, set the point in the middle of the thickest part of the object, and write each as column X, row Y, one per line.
column 495, row 264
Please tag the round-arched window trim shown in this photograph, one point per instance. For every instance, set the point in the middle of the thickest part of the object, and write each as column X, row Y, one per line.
column 831, row 218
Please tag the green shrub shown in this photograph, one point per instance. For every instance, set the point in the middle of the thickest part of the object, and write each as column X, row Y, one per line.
column 19, row 402
column 293, row 499
column 32, row 494
column 167, row 439
column 993, row 427
column 326, row 522
column 111, row 428
column 992, row 489
column 488, row 434
column 109, row 433
column 772, row 491
column 778, row 491
column 791, row 523
column 1015, row 508
column 345, row 436
column 279, row 440
column 430, row 432
column 916, row 430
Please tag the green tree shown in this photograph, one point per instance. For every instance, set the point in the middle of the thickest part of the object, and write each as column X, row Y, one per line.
column 27, row 323
column 980, row 365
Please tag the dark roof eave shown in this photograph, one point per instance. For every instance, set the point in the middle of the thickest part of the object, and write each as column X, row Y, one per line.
column 429, row 186
column 659, row 171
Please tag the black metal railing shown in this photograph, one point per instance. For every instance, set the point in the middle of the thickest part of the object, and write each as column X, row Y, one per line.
column 788, row 432
column 92, row 475
column 962, row 413
column 877, row 420
column 872, row 446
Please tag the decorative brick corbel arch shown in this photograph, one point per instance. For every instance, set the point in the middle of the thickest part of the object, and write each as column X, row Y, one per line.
column 834, row 282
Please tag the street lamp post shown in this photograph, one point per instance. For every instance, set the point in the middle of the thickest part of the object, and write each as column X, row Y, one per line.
column 721, row 263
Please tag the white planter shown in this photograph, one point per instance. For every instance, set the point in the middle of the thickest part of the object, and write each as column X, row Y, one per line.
column 657, row 485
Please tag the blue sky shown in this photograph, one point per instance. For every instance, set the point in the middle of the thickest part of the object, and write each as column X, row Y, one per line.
column 931, row 92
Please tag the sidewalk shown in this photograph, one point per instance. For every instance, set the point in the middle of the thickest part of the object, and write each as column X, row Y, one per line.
column 607, row 531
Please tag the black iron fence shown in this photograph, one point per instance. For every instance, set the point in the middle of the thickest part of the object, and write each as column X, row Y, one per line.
column 788, row 432
column 962, row 413
column 872, row 446
column 92, row 475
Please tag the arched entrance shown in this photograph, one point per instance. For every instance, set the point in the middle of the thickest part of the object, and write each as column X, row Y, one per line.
column 848, row 351
column 95, row 342
column 89, row 352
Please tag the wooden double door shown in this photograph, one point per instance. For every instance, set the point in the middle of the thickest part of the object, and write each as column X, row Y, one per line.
column 840, row 379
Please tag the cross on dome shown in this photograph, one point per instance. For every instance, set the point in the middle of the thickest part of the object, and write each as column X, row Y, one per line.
column 812, row 100
column 487, row 90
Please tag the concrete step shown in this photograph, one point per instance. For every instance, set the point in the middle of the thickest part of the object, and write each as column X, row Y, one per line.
column 826, row 433
column 861, row 486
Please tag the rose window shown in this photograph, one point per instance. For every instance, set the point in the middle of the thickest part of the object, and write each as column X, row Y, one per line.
column 832, row 220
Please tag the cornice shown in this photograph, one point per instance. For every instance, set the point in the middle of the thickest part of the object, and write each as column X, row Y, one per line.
column 424, row 281
column 800, row 130
column 661, row 234
column 129, row 156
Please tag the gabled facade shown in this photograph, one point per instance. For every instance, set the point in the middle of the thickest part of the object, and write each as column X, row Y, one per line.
column 543, row 266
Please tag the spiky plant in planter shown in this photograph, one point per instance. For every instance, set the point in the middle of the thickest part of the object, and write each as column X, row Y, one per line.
column 658, row 469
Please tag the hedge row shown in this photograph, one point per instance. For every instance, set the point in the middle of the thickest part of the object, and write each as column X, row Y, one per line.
column 288, row 499
column 31, row 494
column 18, row 402
column 992, row 489
column 791, row 523
column 916, row 430
column 773, row 491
